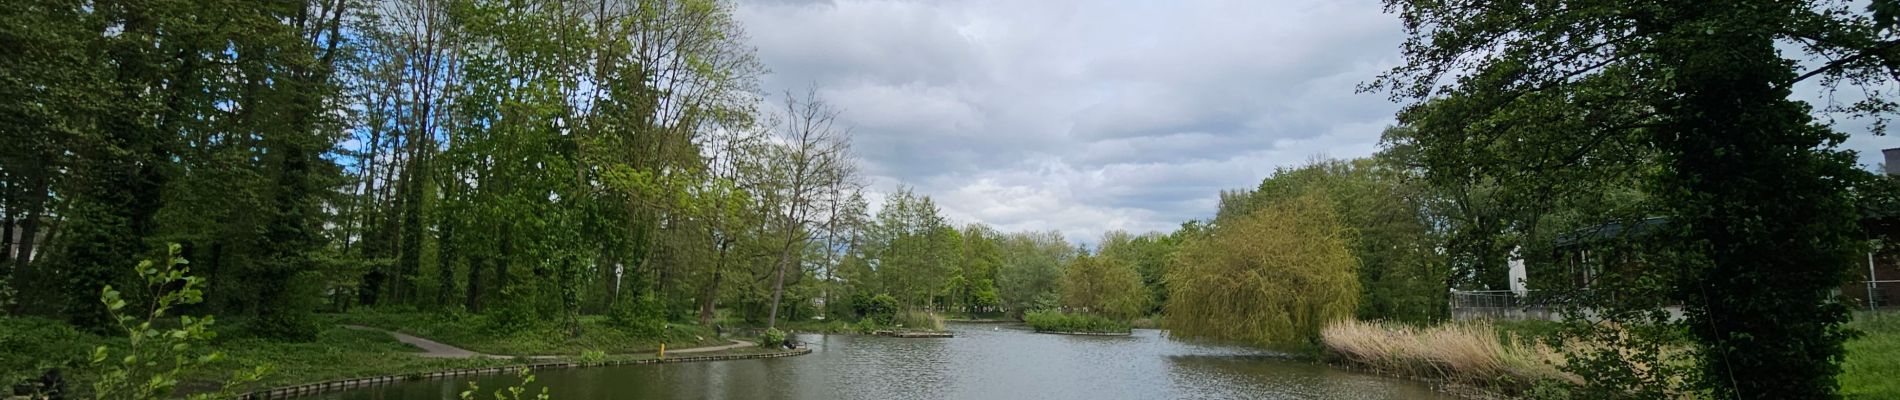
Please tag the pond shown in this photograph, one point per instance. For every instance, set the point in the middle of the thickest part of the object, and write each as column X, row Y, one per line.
column 983, row 361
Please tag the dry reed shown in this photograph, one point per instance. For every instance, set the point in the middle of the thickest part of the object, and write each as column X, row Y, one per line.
column 1462, row 352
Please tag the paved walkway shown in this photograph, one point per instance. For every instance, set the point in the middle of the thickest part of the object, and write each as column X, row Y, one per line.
column 434, row 349
column 430, row 348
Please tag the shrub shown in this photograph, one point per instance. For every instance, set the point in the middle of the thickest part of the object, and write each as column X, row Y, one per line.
column 29, row 346
column 882, row 309
column 919, row 320
column 1057, row 321
column 643, row 317
column 141, row 372
column 593, row 356
column 772, row 338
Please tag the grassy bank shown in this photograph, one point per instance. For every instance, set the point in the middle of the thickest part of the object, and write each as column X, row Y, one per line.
column 1509, row 357
column 1873, row 359
column 483, row 334
column 1057, row 321
column 30, row 346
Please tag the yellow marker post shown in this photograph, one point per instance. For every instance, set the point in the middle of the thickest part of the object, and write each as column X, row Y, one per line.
column 662, row 351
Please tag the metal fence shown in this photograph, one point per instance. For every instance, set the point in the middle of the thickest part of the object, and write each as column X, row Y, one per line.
column 1497, row 304
column 1881, row 294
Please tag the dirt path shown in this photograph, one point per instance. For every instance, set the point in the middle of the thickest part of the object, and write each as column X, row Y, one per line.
column 430, row 348
column 434, row 349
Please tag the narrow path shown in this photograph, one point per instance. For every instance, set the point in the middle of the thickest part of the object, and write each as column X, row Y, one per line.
column 430, row 348
column 434, row 349
column 736, row 343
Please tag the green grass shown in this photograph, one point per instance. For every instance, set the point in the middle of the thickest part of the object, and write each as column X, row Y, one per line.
column 477, row 333
column 1526, row 330
column 1873, row 359
column 337, row 353
column 1057, row 321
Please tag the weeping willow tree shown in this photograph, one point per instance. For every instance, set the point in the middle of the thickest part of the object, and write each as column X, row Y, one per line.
column 1273, row 277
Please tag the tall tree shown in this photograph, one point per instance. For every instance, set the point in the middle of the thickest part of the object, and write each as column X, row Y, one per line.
column 1760, row 225
column 811, row 158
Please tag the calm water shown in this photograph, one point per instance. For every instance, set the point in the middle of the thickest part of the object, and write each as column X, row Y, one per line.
column 983, row 361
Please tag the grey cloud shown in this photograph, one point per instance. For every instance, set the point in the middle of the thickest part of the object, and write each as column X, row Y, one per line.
column 1089, row 116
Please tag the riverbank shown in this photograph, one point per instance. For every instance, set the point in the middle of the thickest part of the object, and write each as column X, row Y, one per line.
column 1508, row 359
column 1075, row 324
column 750, row 352
column 334, row 352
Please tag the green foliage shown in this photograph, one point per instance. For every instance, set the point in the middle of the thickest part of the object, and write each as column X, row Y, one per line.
column 513, row 392
column 1106, row 286
column 1872, row 357
column 593, row 356
column 1029, row 278
column 916, row 320
column 1057, row 321
column 29, row 346
column 1552, row 110
column 772, row 338
column 1150, row 254
column 156, row 356
column 1401, row 274
column 1272, row 278
column 880, row 309
column 645, row 317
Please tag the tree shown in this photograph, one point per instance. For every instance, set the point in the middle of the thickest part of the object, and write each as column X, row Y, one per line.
column 1273, row 277
column 812, row 158
column 1150, row 253
column 1104, row 286
column 1760, row 224
column 1401, row 275
column 1028, row 280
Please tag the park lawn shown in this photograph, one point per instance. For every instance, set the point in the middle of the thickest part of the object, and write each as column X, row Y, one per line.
column 477, row 333
column 1873, row 359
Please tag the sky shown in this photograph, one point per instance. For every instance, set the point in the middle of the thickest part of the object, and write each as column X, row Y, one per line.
column 1090, row 116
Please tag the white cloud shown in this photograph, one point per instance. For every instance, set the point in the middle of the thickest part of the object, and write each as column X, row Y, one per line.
column 1089, row 116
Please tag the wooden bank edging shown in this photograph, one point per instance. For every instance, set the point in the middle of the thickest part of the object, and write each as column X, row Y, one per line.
column 1131, row 332
column 344, row 384
column 900, row 334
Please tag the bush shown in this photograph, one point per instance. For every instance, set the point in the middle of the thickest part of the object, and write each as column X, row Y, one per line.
column 644, row 317
column 919, row 320
column 29, row 346
column 1057, row 321
column 881, row 309
column 593, row 356
column 772, row 338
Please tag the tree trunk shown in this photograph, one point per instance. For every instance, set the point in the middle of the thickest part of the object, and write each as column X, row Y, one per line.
column 709, row 296
column 778, row 286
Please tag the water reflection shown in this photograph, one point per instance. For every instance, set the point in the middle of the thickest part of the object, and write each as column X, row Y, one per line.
column 984, row 361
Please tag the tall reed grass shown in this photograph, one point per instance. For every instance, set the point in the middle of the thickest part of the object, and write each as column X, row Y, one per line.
column 919, row 320
column 1470, row 353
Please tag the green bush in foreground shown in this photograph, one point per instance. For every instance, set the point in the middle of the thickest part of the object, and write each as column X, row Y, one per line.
column 771, row 338
column 1057, row 321
column 154, row 358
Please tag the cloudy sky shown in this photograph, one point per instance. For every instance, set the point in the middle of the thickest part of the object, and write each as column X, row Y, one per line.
column 1090, row 116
